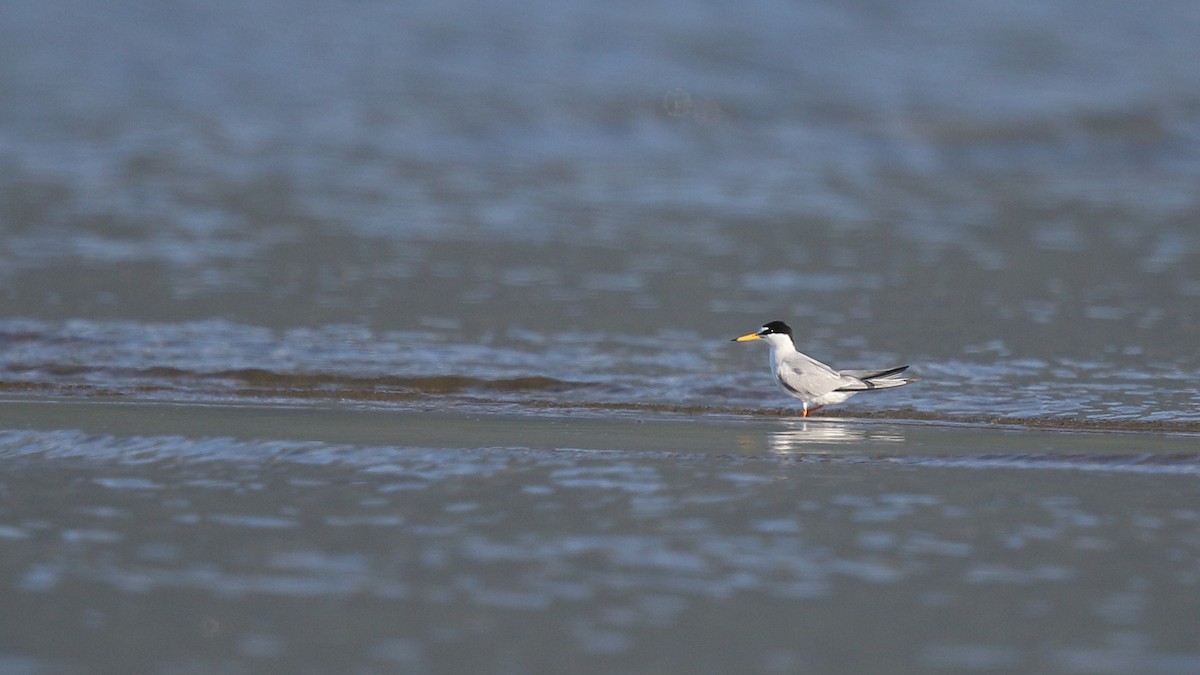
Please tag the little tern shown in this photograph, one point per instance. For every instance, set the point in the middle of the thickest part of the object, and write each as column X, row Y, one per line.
column 813, row 382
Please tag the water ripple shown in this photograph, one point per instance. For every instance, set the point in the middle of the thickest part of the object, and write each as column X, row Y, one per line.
column 217, row 361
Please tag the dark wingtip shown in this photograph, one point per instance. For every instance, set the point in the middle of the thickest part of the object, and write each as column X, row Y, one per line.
column 888, row 373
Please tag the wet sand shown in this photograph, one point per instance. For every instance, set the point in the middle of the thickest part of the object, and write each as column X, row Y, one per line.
column 270, row 538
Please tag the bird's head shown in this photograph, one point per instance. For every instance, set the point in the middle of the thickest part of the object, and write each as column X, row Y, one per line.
column 774, row 328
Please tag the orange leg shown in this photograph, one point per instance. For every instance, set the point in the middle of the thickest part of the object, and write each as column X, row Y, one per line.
column 812, row 409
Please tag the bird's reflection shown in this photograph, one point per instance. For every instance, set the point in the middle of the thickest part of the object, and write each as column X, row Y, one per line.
column 837, row 437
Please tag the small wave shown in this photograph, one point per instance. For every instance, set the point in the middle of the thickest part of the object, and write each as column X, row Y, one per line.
column 529, row 392
column 1149, row 463
column 1180, row 464
column 267, row 382
column 438, row 384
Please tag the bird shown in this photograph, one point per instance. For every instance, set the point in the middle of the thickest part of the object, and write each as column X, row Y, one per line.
column 813, row 382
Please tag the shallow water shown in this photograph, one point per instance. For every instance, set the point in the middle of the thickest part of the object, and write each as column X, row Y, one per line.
column 220, row 362
column 395, row 337
column 265, row 538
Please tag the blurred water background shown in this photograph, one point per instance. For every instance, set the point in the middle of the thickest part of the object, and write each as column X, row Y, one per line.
column 556, row 210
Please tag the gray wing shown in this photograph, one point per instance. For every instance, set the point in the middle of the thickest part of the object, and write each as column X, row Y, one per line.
column 807, row 377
